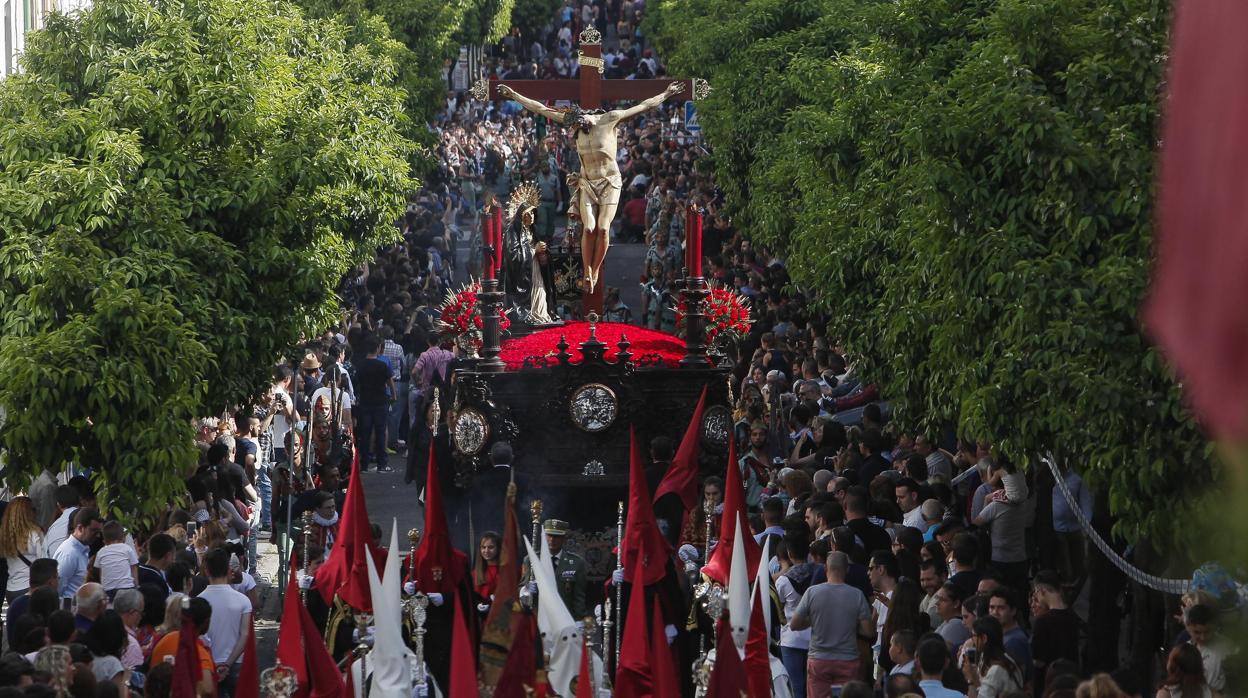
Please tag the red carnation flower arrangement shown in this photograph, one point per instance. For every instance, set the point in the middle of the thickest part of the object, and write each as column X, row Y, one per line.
column 727, row 317
column 460, row 317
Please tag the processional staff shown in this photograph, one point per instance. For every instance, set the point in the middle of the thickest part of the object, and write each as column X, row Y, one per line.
column 619, row 588
column 416, row 608
column 708, row 505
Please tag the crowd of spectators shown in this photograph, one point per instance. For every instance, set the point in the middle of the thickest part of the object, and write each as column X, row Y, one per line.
column 94, row 609
column 947, row 568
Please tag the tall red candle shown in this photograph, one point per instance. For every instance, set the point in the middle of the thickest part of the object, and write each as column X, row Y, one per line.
column 689, row 240
column 696, row 239
column 498, row 237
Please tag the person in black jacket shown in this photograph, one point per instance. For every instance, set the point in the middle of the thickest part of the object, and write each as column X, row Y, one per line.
column 489, row 490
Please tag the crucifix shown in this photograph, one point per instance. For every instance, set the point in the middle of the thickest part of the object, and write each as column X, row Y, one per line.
column 598, row 185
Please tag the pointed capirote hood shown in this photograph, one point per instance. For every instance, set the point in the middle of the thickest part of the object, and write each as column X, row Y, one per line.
column 388, row 662
column 738, row 591
column 734, row 510
column 762, row 583
column 560, row 636
column 682, row 477
column 644, row 550
column 343, row 573
column 757, row 661
column 438, row 567
column 634, row 677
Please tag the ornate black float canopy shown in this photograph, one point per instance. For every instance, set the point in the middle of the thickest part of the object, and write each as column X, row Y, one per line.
column 567, row 417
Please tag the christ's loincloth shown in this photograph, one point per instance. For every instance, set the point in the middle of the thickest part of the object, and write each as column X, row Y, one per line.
column 603, row 191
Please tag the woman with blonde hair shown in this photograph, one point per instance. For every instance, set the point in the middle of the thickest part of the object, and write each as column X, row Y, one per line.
column 21, row 539
column 797, row 485
column 173, row 618
column 1099, row 686
column 58, row 664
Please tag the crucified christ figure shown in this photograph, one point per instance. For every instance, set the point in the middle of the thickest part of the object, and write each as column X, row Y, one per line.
column 598, row 185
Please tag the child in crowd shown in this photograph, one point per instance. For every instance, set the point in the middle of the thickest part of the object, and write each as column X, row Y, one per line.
column 1200, row 621
column 117, row 561
column 901, row 649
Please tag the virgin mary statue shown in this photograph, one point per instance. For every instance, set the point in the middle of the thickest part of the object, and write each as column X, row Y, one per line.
column 528, row 282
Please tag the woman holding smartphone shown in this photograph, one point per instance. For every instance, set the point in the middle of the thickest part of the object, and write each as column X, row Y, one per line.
column 986, row 666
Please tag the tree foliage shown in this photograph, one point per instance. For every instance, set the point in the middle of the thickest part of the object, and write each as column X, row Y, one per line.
column 532, row 16
column 183, row 183
column 968, row 185
column 429, row 32
column 486, row 21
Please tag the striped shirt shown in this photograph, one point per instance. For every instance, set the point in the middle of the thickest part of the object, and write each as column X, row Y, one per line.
column 391, row 350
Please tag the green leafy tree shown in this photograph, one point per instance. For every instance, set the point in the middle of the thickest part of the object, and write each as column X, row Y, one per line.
column 183, row 183
column 428, row 33
column 532, row 16
column 968, row 184
column 486, row 21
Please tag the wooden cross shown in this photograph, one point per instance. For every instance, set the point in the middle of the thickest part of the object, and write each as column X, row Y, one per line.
column 589, row 91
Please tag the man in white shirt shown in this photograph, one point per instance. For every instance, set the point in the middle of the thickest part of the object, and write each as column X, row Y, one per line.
column 282, row 408
column 231, row 620
column 72, row 556
column 336, row 366
column 883, row 573
column 907, row 491
column 66, row 505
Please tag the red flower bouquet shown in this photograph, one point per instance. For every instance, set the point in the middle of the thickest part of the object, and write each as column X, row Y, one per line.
column 727, row 317
column 460, row 317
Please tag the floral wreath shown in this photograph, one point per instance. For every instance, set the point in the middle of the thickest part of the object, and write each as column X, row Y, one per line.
column 727, row 317
column 459, row 316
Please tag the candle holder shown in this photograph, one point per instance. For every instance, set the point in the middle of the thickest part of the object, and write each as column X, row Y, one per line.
column 694, row 295
column 491, row 299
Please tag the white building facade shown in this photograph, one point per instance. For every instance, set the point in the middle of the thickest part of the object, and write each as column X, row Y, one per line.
column 21, row 17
